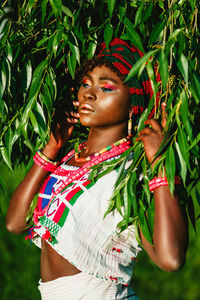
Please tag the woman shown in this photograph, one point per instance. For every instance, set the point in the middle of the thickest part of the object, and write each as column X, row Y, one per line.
column 83, row 256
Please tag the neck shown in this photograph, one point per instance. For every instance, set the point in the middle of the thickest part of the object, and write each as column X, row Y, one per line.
column 99, row 138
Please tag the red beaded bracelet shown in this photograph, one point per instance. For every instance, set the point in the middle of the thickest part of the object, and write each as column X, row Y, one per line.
column 161, row 181
column 45, row 164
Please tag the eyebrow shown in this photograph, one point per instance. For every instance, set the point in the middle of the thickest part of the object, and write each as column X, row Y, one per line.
column 105, row 78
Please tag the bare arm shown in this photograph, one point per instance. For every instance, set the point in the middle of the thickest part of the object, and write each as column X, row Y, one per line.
column 170, row 236
column 22, row 197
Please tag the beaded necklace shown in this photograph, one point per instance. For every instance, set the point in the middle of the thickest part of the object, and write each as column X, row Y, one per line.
column 91, row 156
column 116, row 150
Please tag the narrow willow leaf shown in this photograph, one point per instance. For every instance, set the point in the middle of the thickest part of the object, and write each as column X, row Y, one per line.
column 34, row 122
column 195, row 86
column 127, row 205
column 184, row 108
column 163, row 68
column 36, row 81
column 138, row 15
column 133, row 35
column 108, row 33
column 67, row 11
column 145, row 228
column 56, row 7
column 156, row 32
column 46, row 97
column 118, row 203
column 27, row 109
column 173, row 36
column 139, row 64
column 2, row 79
column 55, row 44
column 183, row 170
column 111, row 6
column 121, row 172
column 6, row 158
column 43, row 9
column 191, row 211
column 9, row 52
column 26, row 76
column 75, row 50
column 147, row 13
column 182, row 65
column 170, row 167
column 195, row 142
column 184, row 146
column 70, row 64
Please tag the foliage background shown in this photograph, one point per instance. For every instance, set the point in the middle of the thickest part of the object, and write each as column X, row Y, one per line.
column 42, row 42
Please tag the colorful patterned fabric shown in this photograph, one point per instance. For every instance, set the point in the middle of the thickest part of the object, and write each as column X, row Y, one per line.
column 123, row 56
column 74, row 225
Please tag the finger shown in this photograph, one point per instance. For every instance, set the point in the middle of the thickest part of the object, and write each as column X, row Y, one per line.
column 145, row 131
column 164, row 114
column 154, row 123
column 76, row 103
column 75, row 114
column 72, row 120
column 141, row 137
column 72, row 114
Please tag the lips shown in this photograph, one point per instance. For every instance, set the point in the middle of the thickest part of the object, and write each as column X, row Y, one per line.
column 86, row 108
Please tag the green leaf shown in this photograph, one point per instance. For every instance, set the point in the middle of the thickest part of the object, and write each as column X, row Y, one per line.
column 139, row 64
column 67, row 11
column 184, row 108
column 138, row 15
column 182, row 65
column 111, row 6
column 55, row 44
column 108, row 33
column 5, row 156
column 118, row 203
column 127, row 205
column 133, row 35
column 37, row 77
column 184, row 146
column 156, row 32
column 91, row 49
column 2, row 79
column 26, row 76
column 75, row 51
column 170, row 167
column 56, row 7
column 195, row 86
column 9, row 52
column 71, row 63
column 163, row 68
column 183, row 166
column 147, row 13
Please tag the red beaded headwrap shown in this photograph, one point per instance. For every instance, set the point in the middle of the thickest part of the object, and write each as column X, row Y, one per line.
column 123, row 56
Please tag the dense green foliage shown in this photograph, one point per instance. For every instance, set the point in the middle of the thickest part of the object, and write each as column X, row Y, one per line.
column 43, row 42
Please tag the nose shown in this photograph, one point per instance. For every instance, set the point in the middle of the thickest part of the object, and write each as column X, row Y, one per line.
column 90, row 94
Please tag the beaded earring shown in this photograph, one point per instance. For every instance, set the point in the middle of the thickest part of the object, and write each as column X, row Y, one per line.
column 130, row 122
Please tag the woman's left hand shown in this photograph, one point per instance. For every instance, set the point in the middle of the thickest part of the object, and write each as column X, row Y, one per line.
column 152, row 137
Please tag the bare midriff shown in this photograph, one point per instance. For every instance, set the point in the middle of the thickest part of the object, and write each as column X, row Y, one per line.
column 54, row 265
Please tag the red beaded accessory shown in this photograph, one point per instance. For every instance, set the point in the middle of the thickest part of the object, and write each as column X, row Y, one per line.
column 106, row 149
column 78, row 173
column 44, row 162
column 161, row 181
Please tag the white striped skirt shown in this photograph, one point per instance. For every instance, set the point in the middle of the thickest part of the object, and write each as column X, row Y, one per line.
column 83, row 286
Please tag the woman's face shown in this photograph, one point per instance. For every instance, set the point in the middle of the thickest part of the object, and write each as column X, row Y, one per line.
column 104, row 100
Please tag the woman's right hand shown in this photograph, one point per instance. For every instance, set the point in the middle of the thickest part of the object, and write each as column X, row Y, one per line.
column 62, row 126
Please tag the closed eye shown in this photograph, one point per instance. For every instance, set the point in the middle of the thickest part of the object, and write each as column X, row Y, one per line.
column 105, row 89
column 85, row 85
